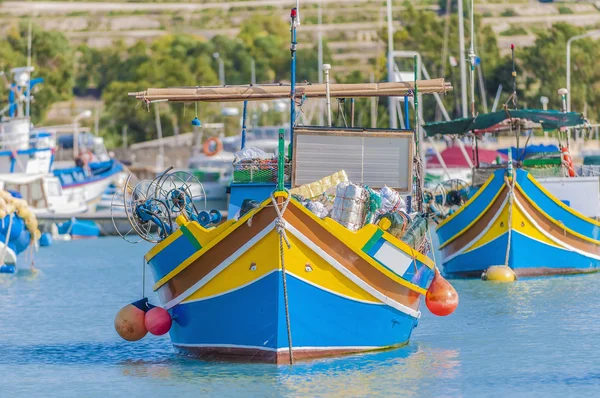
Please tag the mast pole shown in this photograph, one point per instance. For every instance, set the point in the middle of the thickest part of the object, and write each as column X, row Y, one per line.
column 326, row 68
column 472, row 58
column 463, row 61
column 294, row 25
column 419, row 170
column 320, row 57
column 514, row 75
column 392, row 100
column 244, row 113
column 281, row 151
column 29, row 45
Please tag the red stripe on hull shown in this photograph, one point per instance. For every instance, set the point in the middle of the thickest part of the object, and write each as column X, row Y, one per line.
column 282, row 357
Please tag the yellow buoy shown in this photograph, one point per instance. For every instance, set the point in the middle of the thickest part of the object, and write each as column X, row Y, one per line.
column 499, row 273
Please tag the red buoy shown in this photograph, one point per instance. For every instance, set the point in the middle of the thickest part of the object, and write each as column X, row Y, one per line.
column 129, row 322
column 441, row 298
column 158, row 321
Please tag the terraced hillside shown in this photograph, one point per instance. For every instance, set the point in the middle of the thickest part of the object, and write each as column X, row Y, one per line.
column 352, row 28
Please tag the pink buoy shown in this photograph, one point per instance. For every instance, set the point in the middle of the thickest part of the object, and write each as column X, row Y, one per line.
column 158, row 321
column 129, row 322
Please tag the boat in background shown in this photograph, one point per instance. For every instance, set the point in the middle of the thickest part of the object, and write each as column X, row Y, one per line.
column 293, row 284
column 519, row 218
column 214, row 169
column 86, row 165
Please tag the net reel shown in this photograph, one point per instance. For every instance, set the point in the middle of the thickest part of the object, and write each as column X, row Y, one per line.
column 144, row 208
column 184, row 195
column 446, row 197
column 151, row 206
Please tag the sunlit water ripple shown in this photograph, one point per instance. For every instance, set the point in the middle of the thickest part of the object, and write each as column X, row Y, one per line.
column 534, row 337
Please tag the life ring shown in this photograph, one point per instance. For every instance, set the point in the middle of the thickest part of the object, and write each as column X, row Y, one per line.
column 567, row 160
column 218, row 146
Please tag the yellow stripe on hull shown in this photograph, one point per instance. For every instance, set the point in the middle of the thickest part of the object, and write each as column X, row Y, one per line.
column 255, row 263
column 520, row 223
column 263, row 258
column 497, row 229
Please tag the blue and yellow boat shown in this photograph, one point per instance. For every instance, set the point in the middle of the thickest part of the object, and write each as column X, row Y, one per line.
column 347, row 292
column 513, row 220
column 279, row 283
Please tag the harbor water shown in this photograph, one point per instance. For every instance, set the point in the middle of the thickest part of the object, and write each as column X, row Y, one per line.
column 536, row 337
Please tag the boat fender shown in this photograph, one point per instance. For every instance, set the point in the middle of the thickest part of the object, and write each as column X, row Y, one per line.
column 129, row 322
column 441, row 297
column 157, row 320
column 46, row 239
column 499, row 273
column 218, row 146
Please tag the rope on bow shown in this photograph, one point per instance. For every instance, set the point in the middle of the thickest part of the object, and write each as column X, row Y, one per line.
column 280, row 229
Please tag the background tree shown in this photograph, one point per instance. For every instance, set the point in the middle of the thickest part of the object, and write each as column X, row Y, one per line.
column 52, row 57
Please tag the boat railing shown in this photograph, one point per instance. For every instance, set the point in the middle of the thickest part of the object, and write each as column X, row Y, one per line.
column 588, row 170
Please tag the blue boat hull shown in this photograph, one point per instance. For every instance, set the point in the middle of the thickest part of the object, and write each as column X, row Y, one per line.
column 251, row 322
column 522, row 226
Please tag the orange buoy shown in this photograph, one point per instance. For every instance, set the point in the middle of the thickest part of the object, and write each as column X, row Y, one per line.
column 129, row 322
column 441, row 298
column 567, row 160
column 158, row 321
column 206, row 148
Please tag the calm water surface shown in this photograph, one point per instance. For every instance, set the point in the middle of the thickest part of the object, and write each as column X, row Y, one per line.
column 535, row 337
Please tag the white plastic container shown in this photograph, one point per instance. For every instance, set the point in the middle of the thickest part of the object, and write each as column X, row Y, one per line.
column 350, row 205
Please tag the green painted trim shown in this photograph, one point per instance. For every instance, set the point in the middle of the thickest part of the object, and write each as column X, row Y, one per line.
column 190, row 236
column 374, row 239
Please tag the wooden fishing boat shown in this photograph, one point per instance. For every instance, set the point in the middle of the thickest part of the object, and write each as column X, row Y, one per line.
column 279, row 282
column 512, row 219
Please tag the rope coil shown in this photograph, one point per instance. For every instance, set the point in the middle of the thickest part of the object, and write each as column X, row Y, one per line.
column 280, row 229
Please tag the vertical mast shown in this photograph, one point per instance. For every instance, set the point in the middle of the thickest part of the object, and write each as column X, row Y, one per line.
column 281, row 157
column 320, row 57
column 514, row 75
column 463, row 66
column 472, row 58
column 294, row 25
column 390, row 29
column 28, row 97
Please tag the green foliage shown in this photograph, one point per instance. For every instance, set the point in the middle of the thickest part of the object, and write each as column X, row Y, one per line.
column 52, row 57
column 565, row 10
column 178, row 60
column 545, row 63
column 509, row 12
column 514, row 30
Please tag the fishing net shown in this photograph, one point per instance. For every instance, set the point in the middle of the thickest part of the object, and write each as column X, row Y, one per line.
column 259, row 171
column 415, row 235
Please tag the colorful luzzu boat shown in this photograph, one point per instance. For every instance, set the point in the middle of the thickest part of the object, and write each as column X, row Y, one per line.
column 280, row 283
column 347, row 292
column 513, row 221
